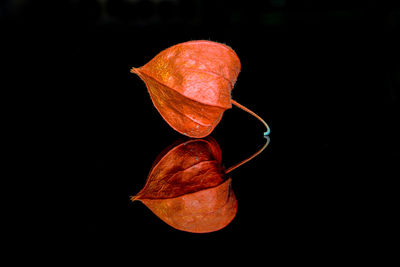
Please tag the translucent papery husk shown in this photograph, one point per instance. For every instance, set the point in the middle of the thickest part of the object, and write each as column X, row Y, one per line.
column 190, row 84
column 188, row 189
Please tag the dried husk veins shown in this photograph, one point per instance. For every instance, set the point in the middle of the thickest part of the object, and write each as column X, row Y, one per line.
column 190, row 84
column 188, row 189
column 204, row 211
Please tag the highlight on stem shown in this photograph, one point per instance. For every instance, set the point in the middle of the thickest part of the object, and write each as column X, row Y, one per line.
column 253, row 114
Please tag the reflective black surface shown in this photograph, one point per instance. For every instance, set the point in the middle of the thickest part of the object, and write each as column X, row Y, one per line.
column 323, row 76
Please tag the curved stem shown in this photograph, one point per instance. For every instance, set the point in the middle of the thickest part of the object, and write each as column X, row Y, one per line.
column 253, row 114
column 249, row 158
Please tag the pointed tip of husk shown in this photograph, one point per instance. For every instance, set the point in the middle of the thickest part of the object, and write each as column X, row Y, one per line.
column 135, row 70
column 133, row 198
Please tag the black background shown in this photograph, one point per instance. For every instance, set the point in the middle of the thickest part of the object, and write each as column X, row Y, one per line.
column 323, row 74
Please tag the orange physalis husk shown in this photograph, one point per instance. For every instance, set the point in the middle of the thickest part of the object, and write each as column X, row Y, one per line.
column 188, row 189
column 190, row 84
